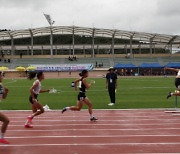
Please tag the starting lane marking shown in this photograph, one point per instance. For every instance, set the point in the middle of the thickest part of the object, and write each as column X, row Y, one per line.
column 97, row 136
column 91, row 144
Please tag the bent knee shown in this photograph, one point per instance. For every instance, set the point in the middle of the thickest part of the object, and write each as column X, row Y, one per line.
column 42, row 110
column 6, row 121
column 90, row 105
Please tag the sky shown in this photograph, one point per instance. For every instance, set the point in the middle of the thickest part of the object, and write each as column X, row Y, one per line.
column 154, row 16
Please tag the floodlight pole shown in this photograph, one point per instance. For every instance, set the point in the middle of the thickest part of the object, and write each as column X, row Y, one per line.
column 51, row 22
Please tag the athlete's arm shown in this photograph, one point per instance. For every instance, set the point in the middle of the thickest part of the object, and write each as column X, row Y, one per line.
column 75, row 84
column 44, row 91
column 86, row 84
column 172, row 69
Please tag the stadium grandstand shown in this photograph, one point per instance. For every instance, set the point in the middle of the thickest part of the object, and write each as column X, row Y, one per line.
column 100, row 47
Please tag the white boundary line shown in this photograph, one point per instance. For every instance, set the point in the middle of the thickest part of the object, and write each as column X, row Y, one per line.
column 120, row 129
column 94, row 144
column 144, row 109
column 121, row 120
column 99, row 124
column 98, row 136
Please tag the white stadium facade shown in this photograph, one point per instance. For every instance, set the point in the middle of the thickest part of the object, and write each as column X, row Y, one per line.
column 148, row 41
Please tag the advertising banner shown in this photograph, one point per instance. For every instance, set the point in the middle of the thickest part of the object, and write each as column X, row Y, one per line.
column 63, row 67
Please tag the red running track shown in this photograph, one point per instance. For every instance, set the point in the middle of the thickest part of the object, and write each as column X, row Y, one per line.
column 117, row 131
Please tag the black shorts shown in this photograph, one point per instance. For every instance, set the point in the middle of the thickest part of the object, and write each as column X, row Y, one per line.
column 81, row 96
column 177, row 83
column 30, row 98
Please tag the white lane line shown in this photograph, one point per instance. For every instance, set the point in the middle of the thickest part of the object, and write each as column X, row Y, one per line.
column 99, row 124
column 103, row 116
column 97, row 136
column 125, row 120
column 96, row 129
column 93, row 144
column 146, row 109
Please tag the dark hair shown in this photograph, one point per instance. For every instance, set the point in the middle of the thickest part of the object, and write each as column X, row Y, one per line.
column 83, row 73
column 32, row 75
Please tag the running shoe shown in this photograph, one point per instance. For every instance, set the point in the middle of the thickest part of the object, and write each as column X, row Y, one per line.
column 169, row 95
column 64, row 110
column 29, row 118
column 28, row 126
column 93, row 119
column 4, row 141
column 111, row 104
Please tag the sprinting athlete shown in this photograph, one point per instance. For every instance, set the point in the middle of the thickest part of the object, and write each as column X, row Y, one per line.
column 83, row 86
column 177, row 82
column 3, row 118
column 37, row 108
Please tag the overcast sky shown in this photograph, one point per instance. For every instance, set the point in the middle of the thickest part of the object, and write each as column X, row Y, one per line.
column 155, row 16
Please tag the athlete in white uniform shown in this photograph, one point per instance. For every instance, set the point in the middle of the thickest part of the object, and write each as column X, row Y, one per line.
column 177, row 82
column 35, row 90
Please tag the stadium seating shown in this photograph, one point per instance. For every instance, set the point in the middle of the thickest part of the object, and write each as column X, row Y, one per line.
column 100, row 62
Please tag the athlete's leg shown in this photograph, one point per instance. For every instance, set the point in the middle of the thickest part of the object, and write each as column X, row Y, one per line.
column 37, row 109
column 78, row 107
column 176, row 93
column 5, row 121
column 89, row 104
column 74, row 108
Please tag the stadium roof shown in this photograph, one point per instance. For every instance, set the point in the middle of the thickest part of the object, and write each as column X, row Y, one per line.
column 82, row 31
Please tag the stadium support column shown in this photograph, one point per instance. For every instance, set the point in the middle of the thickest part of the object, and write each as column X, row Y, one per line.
column 32, row 42
column 151, row 46
column 140, row 49
column 84, row 52
column 125, row 47
column 170, row 43
column 171, row 49
column 131, row 51
column 113, row 37
column 93, row 34
column 51, row 41
column 73, row 39
column 12, row 45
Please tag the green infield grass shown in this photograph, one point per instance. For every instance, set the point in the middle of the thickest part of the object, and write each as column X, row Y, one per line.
column 132, row 93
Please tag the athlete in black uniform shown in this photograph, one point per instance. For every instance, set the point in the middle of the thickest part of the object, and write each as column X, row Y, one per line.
column 83, row 85
column 111, row 84
column 177, row 82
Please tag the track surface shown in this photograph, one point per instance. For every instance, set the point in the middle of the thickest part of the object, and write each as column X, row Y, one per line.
column 117, row 131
